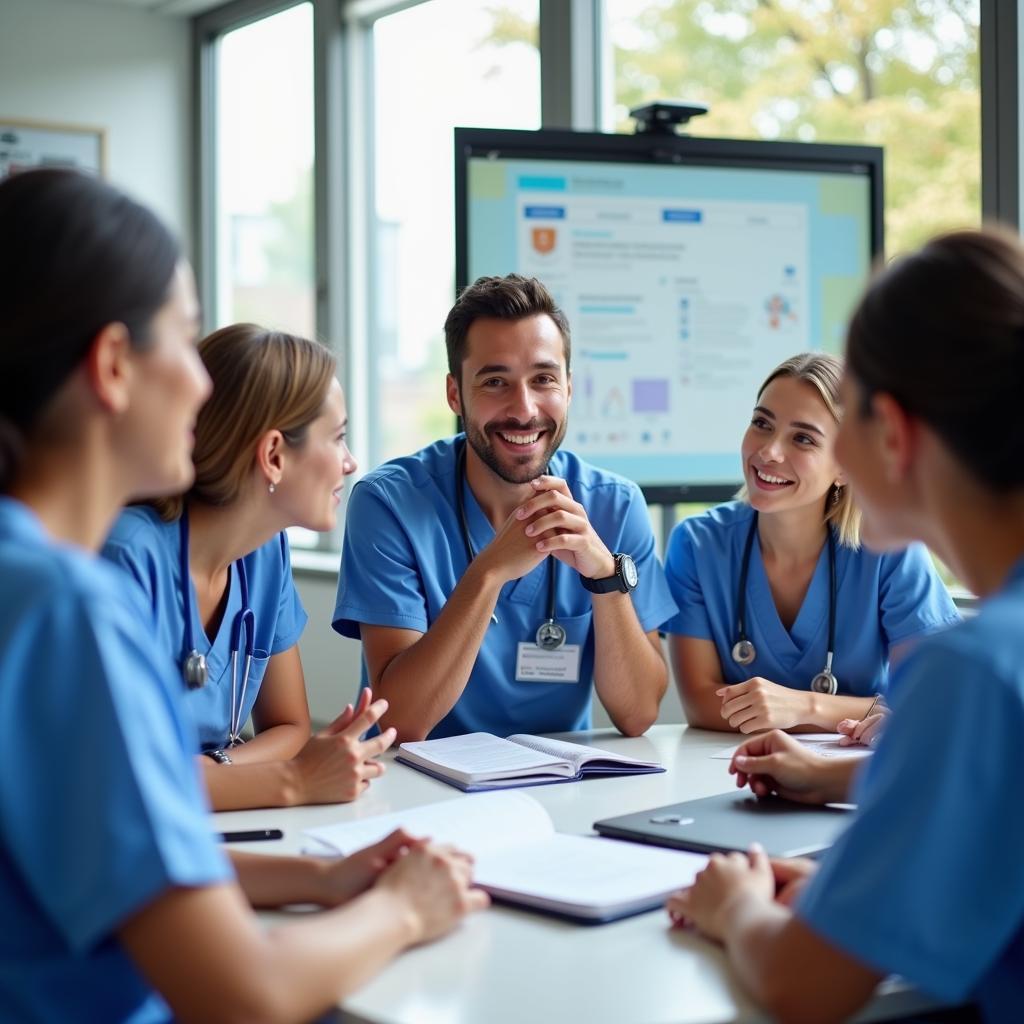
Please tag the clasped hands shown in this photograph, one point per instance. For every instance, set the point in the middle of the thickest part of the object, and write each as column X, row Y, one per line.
column 552, row 523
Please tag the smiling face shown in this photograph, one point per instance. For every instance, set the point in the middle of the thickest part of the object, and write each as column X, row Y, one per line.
column 314, row 472
column 788, row 449
column 514, row 394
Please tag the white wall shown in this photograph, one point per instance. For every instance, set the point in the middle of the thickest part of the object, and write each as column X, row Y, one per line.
column 114, row 67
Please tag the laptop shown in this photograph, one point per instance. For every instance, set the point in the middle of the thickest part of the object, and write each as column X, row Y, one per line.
column 732, row 821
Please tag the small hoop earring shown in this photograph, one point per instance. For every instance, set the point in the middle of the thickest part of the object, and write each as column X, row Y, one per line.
column 272, row 488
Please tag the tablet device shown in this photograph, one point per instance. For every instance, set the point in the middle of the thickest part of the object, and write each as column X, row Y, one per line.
column 732, row 821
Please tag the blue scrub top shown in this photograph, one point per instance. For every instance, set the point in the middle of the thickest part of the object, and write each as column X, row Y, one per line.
column 926, row 882
column 404, row 554
column 150, row 550
column 101, row 807
column 881, row 600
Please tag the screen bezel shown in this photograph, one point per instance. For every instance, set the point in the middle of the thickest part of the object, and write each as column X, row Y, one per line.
column 564, row 145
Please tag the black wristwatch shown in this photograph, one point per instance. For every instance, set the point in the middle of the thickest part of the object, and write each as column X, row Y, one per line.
column 624, row 579
column 220, row 756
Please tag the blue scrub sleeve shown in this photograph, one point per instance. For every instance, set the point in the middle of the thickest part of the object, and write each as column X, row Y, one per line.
column 291, row 616
column 925, row 881
column 139, row 565
column 104, row 821
column 681, row 570
column 379, row 582
column 652, row 600
column 912, row 598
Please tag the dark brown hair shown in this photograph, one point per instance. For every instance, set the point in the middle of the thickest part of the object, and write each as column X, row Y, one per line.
column 512, row 297
column 262, row 380
column 75, row 256
column 942, row 331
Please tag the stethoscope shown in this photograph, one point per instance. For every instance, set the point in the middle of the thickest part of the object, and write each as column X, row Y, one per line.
column 550, row 634
column 194, row 667
column 743, row 651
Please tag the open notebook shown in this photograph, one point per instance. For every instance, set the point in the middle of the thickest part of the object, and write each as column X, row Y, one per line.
column 479, row 761
column 520, row 859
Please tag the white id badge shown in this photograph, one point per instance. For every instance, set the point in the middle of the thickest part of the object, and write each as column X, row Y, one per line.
column 535, row 665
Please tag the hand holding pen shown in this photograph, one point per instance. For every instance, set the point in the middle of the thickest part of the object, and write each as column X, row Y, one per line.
column 868, row 729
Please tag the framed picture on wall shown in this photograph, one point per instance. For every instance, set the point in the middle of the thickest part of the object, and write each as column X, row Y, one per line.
column 25, row 144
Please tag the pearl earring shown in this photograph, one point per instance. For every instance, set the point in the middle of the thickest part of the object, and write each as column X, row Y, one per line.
column 272, row 488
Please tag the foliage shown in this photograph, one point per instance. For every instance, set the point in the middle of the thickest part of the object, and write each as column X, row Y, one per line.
column 902, row 74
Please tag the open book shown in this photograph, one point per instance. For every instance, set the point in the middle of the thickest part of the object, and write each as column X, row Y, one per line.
column 480, row 761
column 520, row 859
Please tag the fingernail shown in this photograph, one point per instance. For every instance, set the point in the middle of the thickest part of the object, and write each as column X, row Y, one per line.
column 756, row 848
column 529, row 531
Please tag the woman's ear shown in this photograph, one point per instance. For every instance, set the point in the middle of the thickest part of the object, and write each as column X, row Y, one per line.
column 897, row 437
column 270, row 457
column 109, row 369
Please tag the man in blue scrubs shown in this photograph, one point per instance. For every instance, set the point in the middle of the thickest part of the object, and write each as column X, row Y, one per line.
column 495, row 580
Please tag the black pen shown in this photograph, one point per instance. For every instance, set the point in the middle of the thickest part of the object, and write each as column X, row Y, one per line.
column 251, row 837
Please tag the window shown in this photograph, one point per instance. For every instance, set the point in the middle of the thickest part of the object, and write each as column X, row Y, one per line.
column 264, row 173
column 437, row 65
column 903, row 74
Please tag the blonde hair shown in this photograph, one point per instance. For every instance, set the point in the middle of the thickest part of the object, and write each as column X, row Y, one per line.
column 823, row 372
column 262, row 380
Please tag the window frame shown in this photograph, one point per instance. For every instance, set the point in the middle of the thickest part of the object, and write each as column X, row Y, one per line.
column 576, row 78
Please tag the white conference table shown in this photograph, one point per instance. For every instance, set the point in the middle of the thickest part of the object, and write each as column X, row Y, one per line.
column 507, row 965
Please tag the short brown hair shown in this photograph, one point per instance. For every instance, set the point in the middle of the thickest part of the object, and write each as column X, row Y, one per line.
column 262, row 380
column 823, row 373
column 512, row 297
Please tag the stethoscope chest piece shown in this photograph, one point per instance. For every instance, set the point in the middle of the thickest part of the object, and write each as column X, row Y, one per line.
column 550, row 635
column 825, row 682
column 194, row 670
column 743, row 652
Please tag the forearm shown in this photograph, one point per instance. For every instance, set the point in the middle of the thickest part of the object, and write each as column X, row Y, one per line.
column 235, row 787
column 826, row 711
column 788, row 969
column 271, row 881
column 702, row 706
column 423, row 682
column 330, row 955
column 630, row 674
column 275, row 743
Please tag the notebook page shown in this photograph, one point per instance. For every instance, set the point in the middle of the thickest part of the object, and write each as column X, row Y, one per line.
column 479, row 754
column 576, row 754
column 825, row 744
column 588, row 870
column 478, row 824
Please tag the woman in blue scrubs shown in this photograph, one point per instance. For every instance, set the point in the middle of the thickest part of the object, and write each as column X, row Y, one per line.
column 269, row 453
column 926, row 881
column 118, row 904
column 784, row 620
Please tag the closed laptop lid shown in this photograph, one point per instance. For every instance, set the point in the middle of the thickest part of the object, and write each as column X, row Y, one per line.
column 732, row 821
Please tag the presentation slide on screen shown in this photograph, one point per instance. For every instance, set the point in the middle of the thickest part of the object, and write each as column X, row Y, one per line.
column 683, row 286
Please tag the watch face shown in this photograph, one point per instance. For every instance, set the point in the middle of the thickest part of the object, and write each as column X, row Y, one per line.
column 628, row 569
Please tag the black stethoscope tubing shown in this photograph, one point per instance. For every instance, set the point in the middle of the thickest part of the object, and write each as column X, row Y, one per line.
column 743, row 650
column 193, row 667
column 549, row 628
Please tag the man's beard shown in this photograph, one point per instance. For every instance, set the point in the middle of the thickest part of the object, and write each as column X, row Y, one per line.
column 528, row 467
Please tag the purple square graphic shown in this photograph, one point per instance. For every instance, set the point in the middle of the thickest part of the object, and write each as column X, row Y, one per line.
column 650, row 395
